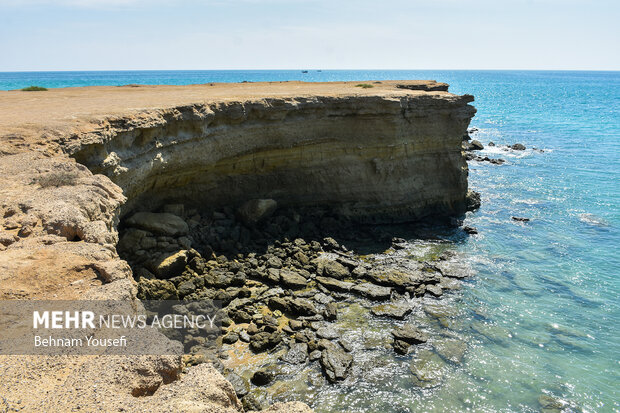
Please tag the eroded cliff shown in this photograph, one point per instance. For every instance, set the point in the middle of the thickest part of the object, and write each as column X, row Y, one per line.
column 388, row 152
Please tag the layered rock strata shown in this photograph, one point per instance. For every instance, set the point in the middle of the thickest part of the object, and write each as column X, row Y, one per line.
column 389, row 152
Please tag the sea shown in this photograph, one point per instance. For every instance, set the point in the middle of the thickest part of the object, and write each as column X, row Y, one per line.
column 541, row 314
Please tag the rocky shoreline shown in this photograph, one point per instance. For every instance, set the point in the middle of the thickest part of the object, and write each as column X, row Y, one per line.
column 280, row 275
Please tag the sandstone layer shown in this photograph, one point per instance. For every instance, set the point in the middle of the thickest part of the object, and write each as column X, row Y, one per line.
column 74, row 161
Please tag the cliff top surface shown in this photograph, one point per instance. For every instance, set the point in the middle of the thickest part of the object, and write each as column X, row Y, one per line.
column 33, row 119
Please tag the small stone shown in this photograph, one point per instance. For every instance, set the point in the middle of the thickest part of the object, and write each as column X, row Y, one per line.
column 230, row 338
column 295, row 324
column 315, row 355
column 401, row 347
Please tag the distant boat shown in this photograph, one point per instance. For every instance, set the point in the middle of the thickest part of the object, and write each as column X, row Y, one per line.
column 304, row 71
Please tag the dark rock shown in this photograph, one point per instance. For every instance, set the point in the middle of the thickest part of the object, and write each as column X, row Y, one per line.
column 518, row 147
column 241, row 385
column 410, row 334
column 331, row 244
column 256, row 210
column 519, row 219
column 301, row 306
column 230, row 338
column 401, row 347
column 264, row 341
column 373, row 291
column 305, row 336
column 491, row 143
column 186, row 288
column 331, row 312
column 470, row 230
column 274, row 262
column 476, row 145
column 262, row 377
column 397, row 310
column 297, row 354
column 335, row 361
column 158, row 223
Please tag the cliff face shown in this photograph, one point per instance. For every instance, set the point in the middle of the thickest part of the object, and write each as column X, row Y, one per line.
column 391, row 152
column 390, row 155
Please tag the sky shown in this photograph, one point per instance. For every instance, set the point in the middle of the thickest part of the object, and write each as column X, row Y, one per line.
column 309, row 34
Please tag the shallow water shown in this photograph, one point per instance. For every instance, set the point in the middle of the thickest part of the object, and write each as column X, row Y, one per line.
column 541, row 315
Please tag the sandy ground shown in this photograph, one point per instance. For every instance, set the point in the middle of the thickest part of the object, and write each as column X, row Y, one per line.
column 30, row 120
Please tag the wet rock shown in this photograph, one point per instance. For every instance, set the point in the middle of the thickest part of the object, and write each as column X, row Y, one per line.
column 250, row 403
column 158, row 223
column 331, row 312
column 451, row 350
column 292, row 279
column 256, row 210
column 518, row 147
column 297, row 354
column 472, row 200
column 397, row 310
column 410, row 334
column 335, row 285
column 400, row 279
column 551, row 404
column 520, row 219
column 427, row 368
column 373, row 291
column 241, row 385
column 401, row 347
column 491, row 143
column 327, row 332
column 335, row 362
column 434, row 289
column 262, row 377
column 170, row 265
column 476, row 145
column 470, row 230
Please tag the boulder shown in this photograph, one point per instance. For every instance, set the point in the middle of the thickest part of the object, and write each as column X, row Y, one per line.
column 292, row 279
column 297, row 354
column 256, row 210
column 476, row 145
column 335, row 270
column 262, row 377
column 335, row 361
column 331, row 312
column 373, row 291
column 159, row 223
column 518, row 147
column 327, row 332
column 170, row 265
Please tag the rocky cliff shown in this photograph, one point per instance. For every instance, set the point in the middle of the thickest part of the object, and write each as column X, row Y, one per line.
column 392, row 154
column 391, row 151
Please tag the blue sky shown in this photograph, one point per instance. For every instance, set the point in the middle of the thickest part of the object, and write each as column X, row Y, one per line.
column 293, row 34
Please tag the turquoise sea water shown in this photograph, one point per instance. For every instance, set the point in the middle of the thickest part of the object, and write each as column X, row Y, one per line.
column 542, row 314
